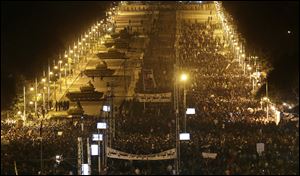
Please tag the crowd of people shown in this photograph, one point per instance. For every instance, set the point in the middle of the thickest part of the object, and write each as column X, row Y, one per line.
column 59, row 137
column 62, row 105
column 227, row 121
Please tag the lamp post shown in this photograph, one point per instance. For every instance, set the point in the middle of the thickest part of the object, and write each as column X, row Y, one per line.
column 35, row 103
column 102, row 126
column 184, row 78
column 44, row 80
column 60, row 62
column 175, row 98
column 24, row 112
column 267, row 100
column 99, row 155
column 65, row 69
column 48, row 89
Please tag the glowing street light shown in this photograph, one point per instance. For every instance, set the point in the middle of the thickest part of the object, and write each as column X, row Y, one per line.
column 31, row 89
column 184, row 77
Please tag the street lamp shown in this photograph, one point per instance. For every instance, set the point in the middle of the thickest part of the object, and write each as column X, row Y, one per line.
column 184, row 78
column 102, row 126
column 50, row 74
column 65, row 69
column 24, row 113
column 43, row 81
column 60, row 62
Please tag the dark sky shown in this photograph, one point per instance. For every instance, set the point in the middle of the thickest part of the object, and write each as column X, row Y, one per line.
column 33, row 32
column 264, row 25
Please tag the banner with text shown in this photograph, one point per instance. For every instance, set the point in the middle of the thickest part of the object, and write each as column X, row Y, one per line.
column 157, row 97
column 165, row 155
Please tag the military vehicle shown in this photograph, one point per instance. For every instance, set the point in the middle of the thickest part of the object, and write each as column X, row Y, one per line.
column 121, row 44
column 111, row 54
column 86, row 93
column 101, row 70
column 76, row 110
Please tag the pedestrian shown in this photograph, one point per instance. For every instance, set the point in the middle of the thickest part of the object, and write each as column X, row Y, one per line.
column 68, row 105
column 59, row 105
column 65, row 105
column 56, row 105
column 50, row 104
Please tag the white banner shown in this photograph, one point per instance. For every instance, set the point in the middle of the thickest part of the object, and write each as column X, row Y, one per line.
column 165, row 155
column 260, row 147
column 158, row 97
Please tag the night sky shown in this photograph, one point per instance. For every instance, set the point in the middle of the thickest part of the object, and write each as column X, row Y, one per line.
column 33, row 32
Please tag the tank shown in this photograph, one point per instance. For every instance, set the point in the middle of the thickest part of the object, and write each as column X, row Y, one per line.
column 115, row 35
column 121, row 44
column 86, row 93
column 111, row 54
column 101, row 70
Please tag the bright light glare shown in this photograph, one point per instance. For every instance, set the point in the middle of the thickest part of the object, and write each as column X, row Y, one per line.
column 183, row 77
